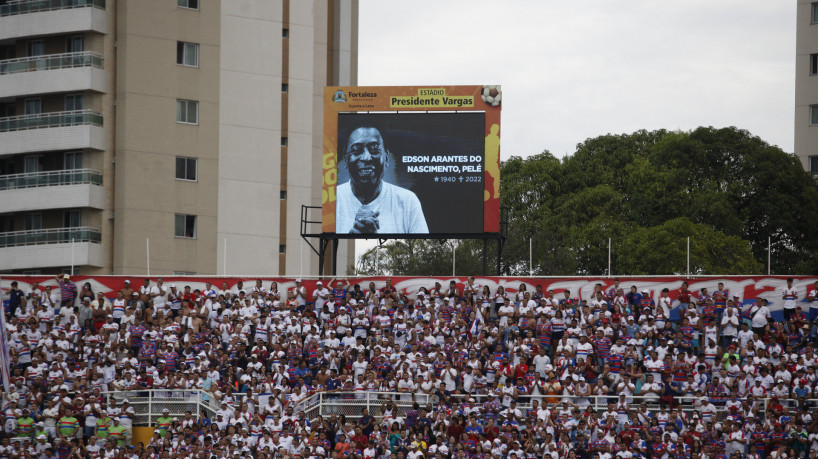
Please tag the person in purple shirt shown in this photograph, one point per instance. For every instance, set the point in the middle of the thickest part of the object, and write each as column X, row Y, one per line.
column 68, row 290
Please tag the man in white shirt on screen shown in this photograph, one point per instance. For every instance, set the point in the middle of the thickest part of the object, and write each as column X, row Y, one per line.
column 367, row 204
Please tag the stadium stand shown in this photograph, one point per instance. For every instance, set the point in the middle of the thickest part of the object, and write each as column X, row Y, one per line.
column 449, row 371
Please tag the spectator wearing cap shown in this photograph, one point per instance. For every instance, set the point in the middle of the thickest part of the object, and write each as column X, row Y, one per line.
column 320, row 296
column 68, row 290
column 163, row 422
column 299, row 294
column 729, row 327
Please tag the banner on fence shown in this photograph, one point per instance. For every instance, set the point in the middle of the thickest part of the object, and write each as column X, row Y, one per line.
column 748, row 288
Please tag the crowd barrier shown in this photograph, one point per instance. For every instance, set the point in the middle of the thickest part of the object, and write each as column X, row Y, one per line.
column 148, row 404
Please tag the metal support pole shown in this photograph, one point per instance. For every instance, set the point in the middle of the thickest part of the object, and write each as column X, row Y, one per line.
column 148, row 254
column 769, row 254
column 335, row 244
column 485, row 257
column 454, row 253
column 322, row 250
column 499, row 255
column 72, row 256
column 530, row 256
column 609, row 257
column 688, row 256
column 224, row 257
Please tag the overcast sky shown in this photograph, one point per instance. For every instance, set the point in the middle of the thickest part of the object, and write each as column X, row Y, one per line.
column 572, row 70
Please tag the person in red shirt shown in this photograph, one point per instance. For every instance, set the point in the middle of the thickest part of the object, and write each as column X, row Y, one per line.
column 684, row 299
column 360, row 440
column 522, row 368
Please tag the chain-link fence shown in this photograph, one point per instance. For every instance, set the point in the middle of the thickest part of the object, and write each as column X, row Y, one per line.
column 149, row 405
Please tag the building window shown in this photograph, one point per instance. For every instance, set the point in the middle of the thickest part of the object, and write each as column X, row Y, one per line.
column 814, row 12
column 6, row 223
column 187, row 168
column 285, row 87
column 72, row 160
column 282, row 248
column 36, row 48
column 185, row 226
column 33, row 222
column 184, row 273
column 71, row 219
column 187, row 111
column 75, row 44
column 74, row 102
column 189, row 4
column 33, row 106
column 283, row 141
column 813, row 165
column 187, row 54
column 813, row 64
column 283, row 194
column 285, row 33
column 32, row 163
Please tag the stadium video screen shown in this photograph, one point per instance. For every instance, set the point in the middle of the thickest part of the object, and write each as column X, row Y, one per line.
column 410, row 173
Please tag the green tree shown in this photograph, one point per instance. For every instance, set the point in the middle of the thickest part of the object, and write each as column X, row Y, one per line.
column 422, row 257
column 663, row 249
column 727, row 190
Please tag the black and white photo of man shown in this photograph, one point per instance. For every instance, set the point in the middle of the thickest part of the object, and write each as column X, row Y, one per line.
column 368, row 204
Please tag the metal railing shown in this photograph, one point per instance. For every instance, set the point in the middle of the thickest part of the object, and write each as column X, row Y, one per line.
column 49, row 120
column 51, row 62
column 34, row 6
column 50, row 178
column 351, row 404
column 149, row 403
column 50, row 236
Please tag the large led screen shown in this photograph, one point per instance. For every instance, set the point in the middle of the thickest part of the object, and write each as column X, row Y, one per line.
column 410, row 173
column 411, row 161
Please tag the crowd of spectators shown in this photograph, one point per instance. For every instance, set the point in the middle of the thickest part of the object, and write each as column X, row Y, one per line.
column 471, row 372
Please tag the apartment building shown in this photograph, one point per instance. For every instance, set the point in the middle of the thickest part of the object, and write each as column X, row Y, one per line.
column 166, row 136
column 806, row 85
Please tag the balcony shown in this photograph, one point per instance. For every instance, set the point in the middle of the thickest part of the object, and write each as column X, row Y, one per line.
column 51, row 248
column 63, row 189
column 69, row 72
column 29, row 18
column 51, row 131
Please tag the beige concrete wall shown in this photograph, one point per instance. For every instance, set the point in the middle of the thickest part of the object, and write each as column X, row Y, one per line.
column 104, row 162
column 148, row 137
column 806, row 85
column 249, row 137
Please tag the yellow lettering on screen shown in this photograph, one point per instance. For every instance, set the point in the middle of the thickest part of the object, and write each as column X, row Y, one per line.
column 431, row 101
column 330, row 178
column 432, row 91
